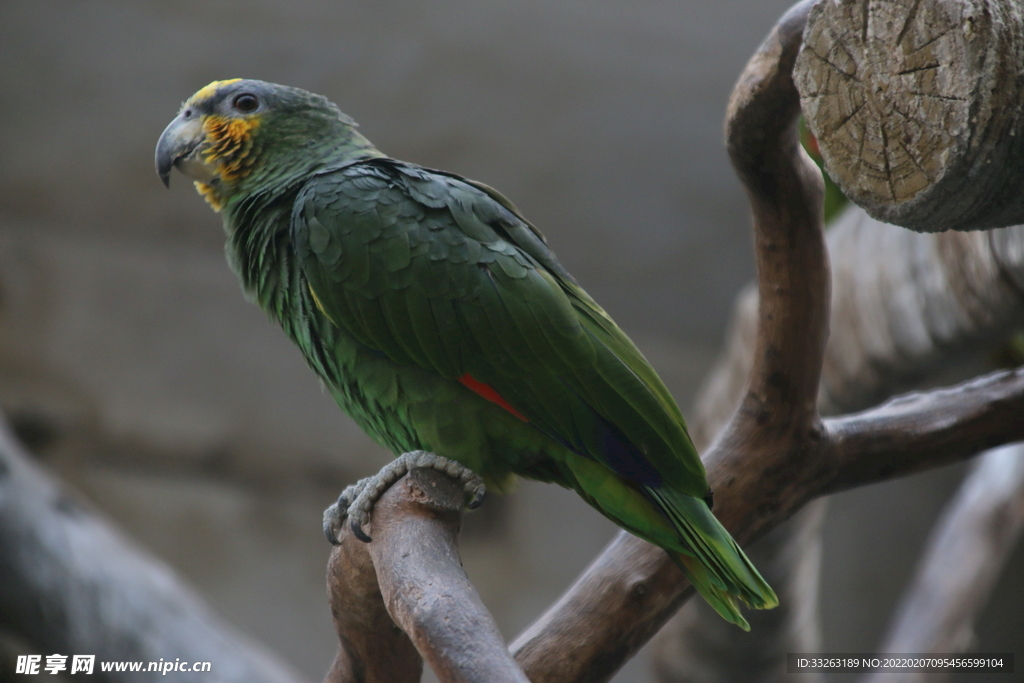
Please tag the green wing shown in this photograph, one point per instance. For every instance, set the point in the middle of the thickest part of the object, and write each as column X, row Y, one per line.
column 434, row 271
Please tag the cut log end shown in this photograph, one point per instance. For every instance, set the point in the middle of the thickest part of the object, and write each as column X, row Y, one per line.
column 912, row 101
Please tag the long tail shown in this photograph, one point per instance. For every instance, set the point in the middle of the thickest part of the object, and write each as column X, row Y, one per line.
column 712, row 561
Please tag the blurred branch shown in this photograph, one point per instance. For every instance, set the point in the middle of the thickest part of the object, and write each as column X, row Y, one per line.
column 965, row 554
column 410, row 575
column 70, row 583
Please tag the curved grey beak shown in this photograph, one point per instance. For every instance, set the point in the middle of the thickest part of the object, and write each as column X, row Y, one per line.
column 179, row 146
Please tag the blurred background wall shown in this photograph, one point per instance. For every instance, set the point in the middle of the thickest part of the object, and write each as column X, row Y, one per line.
column 132, row 366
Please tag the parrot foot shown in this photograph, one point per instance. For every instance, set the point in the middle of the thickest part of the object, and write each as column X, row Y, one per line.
column 356, row 502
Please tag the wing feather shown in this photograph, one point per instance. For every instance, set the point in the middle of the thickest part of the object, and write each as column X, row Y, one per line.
column 442, row 273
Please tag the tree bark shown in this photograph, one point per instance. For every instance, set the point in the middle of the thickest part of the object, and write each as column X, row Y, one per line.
column 917, row 108
column 70, row 583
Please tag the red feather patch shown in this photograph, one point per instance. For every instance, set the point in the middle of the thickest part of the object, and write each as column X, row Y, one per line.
column 489, row 393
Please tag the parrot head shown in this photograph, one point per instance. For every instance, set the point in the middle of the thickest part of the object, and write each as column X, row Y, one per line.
column 237, row 136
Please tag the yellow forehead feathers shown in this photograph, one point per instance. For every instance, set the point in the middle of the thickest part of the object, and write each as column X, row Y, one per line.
column 210, row 90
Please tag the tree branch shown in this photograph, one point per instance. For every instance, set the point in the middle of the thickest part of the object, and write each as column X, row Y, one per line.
column 410, row 577
column 905, row 307
column 372, row 649
column 913, row 305
column 920, row 431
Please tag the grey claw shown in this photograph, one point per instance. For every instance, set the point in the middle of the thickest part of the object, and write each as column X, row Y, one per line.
column 329, row 533
column 333, row 516
column 478, row 498
column 357, row 530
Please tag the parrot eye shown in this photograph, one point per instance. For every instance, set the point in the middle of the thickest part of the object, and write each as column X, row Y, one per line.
column 187, row 113
column 245, row 103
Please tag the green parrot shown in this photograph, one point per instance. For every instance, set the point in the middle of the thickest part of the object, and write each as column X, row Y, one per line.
column 440, row 321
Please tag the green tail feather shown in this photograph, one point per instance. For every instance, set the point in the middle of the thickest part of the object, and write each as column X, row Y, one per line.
column 715, row 565
column 704, row 582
